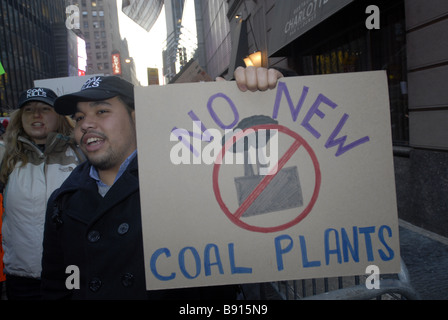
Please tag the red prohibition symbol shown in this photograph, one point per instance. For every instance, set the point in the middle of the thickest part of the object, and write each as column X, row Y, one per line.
column 235, row 217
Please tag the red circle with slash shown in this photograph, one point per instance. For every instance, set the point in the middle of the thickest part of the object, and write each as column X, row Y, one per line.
column 236, row 216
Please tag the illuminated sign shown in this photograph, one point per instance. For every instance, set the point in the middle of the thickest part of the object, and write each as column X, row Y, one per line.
column 116, row 64
column 82, row 57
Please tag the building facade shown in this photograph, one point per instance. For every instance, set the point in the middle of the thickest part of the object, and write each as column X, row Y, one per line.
column 216, row 36
column 173, row 17
column 408, row 40
column 99, row 26
column 34, row 45
column 107, row 53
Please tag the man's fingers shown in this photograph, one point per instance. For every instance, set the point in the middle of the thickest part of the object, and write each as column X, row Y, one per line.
column 256, row 79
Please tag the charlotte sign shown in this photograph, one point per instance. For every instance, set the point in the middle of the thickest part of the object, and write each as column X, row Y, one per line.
column 295, row 17
column 292, row 183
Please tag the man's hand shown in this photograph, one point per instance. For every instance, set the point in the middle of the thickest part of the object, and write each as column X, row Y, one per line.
column 255, row 79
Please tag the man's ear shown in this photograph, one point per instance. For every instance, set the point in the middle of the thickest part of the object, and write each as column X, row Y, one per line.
column 133, row 115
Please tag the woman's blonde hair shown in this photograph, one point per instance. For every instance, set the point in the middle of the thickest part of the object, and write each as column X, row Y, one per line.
column 14, row 148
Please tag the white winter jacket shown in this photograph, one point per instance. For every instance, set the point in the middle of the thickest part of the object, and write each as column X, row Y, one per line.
column 25, row 200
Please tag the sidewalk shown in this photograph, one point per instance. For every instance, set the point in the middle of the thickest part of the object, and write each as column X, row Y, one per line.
column 426, row 257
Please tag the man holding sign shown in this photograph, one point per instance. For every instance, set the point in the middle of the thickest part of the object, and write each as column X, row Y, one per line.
column 93, row 246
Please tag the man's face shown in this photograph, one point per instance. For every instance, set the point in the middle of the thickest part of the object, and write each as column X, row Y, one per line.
column 105, row 132
column 38, row 120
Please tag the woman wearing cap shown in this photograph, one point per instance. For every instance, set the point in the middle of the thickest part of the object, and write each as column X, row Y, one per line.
column 39, row 156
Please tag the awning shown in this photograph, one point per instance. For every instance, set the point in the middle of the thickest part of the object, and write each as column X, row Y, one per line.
column 295, row 17
column 191, row 72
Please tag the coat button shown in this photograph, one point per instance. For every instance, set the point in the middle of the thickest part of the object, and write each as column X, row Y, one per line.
column 123, row 228
column 127, row 280
column 93, row 236
column 95, row 285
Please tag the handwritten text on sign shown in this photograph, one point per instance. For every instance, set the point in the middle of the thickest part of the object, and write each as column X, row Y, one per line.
column 323, row 206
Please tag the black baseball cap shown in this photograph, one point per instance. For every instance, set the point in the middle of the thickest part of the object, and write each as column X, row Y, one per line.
column 37, row 94
column 97, row 88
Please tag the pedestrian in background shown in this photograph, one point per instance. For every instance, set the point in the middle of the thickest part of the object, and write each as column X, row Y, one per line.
column 39, row 155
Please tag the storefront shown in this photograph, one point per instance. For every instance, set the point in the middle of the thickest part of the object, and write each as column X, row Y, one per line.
column 314, row 37
column 323, row 37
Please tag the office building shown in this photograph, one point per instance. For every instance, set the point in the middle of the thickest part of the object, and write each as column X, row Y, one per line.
column 34, row 45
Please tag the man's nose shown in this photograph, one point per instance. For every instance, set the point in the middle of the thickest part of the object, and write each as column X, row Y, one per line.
column 88, row 123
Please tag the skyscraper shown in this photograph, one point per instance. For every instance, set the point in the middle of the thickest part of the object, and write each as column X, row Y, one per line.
column 99, row 25
column 33, row 46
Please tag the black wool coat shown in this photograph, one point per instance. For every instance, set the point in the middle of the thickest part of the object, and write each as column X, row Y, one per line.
column 102, row 238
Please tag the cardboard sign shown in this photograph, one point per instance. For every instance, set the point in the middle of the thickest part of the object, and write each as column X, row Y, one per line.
column 296, row 182
column 65, row 85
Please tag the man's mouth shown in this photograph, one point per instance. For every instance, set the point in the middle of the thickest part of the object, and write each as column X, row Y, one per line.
column 92, row 141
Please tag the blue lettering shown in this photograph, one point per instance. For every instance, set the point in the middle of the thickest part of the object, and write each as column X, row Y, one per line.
column 233, row 268
column 305, row 262
column 368, row 240
column 207, row 263
column 182, row 266
column 346, row 245
column 153, row 266
column 329, row 251
column 280, row 250
column 383, row 255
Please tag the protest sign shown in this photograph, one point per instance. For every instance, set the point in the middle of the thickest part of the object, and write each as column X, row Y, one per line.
column 292, row 183
column 64, row 85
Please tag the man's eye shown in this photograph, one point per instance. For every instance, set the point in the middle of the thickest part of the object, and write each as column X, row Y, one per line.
column 77, row 118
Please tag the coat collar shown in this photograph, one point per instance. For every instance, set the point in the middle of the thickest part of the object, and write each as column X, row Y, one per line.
column 80, row 181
